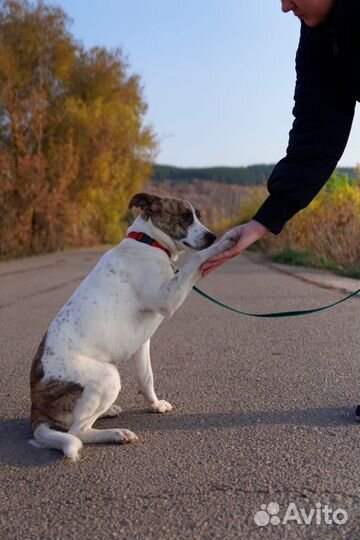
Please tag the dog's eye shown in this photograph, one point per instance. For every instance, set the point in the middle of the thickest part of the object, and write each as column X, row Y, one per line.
column 187, row 218
column 198, row 213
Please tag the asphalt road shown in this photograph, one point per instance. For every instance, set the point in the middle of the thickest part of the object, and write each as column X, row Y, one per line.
column 264, row 413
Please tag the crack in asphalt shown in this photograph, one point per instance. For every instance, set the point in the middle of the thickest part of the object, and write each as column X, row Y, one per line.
column 33, row 269
column 44, row 291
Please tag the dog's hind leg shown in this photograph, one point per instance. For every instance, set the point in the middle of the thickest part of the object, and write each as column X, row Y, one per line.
column 145, row 380
column 99, row 394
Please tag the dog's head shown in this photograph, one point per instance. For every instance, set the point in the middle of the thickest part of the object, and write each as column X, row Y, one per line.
column 177, row 218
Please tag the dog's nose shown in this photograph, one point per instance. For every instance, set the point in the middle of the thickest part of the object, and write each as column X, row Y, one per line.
column 210, row 237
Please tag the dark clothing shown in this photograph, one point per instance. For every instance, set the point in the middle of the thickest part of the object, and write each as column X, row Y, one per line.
column 327, row 88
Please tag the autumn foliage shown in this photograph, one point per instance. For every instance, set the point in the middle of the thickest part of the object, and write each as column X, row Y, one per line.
column 73, row 147
column 326, row 233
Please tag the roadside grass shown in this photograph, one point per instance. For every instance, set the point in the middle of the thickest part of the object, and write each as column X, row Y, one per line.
column 304, row 258
column 324, row 235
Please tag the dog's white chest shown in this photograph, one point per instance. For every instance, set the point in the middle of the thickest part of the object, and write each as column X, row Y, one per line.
column 105, row 318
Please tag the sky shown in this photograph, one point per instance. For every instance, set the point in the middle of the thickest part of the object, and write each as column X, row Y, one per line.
column 218, row 75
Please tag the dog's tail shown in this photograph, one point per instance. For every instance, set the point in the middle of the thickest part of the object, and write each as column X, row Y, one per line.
column 46, row 437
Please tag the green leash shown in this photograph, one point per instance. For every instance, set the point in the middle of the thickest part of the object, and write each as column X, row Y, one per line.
column 276, row 314
column 297, row 313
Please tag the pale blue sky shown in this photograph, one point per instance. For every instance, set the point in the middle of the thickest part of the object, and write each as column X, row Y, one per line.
column 218, row 75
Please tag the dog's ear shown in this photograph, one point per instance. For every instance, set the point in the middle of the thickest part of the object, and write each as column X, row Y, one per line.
column 150, row 204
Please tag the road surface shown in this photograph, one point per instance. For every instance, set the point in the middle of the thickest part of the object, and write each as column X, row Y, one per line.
column 263, row 413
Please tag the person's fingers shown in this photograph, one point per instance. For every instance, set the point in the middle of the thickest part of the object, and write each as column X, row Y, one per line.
column 208, row 271
column 247, row 234
column 209, row 268
column 218, row 260
column 225, row 255
column 209, row 263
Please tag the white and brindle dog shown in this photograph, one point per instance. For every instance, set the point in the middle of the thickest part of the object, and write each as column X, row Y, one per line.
column 111, row 317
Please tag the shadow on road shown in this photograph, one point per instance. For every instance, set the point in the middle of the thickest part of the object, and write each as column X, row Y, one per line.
column 15, row 449
column 14, row 434
column 323, row 416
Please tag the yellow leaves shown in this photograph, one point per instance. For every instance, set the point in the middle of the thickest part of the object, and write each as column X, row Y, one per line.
column 73, row 144
column 329, row 228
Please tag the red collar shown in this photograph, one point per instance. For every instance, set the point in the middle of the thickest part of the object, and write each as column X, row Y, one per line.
column 146, row 239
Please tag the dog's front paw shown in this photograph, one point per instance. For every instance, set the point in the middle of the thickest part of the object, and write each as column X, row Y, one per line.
column 160, row 406
column 229, row 240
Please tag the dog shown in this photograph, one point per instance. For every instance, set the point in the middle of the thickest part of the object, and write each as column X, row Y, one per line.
column 110, row 317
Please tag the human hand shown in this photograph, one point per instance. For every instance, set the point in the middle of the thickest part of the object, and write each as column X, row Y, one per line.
column 249, row 233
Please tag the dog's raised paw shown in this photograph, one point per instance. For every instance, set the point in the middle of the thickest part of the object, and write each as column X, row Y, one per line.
column 161, row 406
column 228, row 241
column 231, row 239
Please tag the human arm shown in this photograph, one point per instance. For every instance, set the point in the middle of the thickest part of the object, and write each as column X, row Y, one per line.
column 323, row 111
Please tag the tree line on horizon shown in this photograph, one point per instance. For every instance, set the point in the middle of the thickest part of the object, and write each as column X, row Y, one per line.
column 73, row 145
column 251, row 175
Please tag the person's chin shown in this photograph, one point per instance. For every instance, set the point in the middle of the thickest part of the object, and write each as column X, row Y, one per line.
column 312, row 22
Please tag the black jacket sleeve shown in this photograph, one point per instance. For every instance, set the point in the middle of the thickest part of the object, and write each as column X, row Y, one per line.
column 323, row 111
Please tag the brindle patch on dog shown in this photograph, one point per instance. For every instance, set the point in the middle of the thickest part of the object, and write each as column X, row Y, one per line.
column 52, row 402
column 171, row 215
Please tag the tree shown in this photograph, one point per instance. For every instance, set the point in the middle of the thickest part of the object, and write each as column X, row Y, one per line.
column 73, row 148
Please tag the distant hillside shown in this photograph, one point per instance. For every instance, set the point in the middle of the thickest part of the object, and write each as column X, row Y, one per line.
column 217, row 201
column 244, row 176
